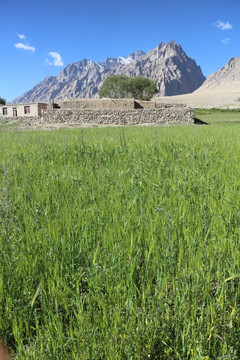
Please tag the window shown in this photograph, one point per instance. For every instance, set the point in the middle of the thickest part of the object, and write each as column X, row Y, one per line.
column 4, row 111
column 26, row 109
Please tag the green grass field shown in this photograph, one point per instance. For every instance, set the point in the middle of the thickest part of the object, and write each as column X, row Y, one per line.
column 120, row 243
column 219, row 116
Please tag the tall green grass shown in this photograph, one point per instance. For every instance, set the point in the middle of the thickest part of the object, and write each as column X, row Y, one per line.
column 120, row 243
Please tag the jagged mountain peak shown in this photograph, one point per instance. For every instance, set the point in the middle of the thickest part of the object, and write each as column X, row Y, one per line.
column 110, row 62
column 136, row 54
column 168, row 65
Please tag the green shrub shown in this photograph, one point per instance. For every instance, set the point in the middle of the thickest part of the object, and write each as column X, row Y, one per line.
column 2, row 101
column 121, row 86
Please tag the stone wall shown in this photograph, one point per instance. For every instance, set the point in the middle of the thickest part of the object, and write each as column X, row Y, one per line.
column 164, row 113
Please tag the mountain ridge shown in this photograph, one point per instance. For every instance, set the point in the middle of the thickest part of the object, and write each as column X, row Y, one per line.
column 167, row 65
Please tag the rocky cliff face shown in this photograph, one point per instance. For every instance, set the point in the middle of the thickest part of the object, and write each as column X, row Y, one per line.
column 168, row 65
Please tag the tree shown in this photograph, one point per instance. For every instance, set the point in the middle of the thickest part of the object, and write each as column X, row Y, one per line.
column 121, row 86
column 2, row 101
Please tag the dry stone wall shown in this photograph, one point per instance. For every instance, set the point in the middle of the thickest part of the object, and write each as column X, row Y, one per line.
column 164, row 113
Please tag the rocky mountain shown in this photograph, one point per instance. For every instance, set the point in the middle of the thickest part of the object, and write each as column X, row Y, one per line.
column 220, row 90
column 168, row 65
column 226, row 77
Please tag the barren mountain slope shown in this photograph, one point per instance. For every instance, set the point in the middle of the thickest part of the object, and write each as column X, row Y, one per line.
column 220, row 89
column 228, row 76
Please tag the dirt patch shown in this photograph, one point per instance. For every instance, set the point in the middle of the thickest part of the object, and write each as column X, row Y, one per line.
column 224, row 97
column 37, row 126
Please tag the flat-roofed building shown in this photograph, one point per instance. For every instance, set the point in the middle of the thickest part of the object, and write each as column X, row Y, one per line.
column 32, row 109
column 105, row 104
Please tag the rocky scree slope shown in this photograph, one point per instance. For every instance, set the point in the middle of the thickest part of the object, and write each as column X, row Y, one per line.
column 168, row 65
column 227, row 77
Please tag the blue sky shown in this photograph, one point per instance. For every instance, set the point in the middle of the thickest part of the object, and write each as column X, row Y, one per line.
column 40, row 38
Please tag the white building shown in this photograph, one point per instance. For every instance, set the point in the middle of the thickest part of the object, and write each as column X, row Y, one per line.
column 32, row 109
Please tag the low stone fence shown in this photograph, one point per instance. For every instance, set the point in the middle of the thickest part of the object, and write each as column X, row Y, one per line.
column 163, row 114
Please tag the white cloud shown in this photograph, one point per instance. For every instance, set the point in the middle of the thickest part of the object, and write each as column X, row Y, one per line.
column 25, row 47
column 223, row 26
column 225, row 41
column 21, row 36
column 56, row 59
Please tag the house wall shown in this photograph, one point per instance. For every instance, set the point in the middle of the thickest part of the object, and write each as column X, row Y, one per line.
column 106, row 104
column 146, row 104
column 35, row 109
column 98, row 104
column 41, row 106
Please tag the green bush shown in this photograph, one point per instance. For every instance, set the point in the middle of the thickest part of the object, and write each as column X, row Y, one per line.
column 2, row 101
column 121, row 86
